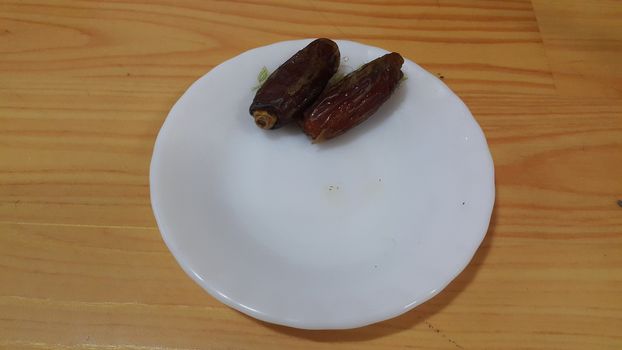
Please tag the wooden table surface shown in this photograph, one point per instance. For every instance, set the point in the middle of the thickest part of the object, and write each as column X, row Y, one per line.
column 85, row 87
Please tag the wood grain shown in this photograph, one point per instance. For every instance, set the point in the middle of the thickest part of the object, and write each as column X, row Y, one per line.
column 85, row 86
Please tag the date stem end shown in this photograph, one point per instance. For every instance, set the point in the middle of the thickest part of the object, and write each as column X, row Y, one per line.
column 264, row 120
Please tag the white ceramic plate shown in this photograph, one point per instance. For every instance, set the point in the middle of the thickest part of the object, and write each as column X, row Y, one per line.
column 338, row 235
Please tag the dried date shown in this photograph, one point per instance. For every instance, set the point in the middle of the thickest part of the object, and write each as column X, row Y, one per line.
column 294, row 86
column 353, row 99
